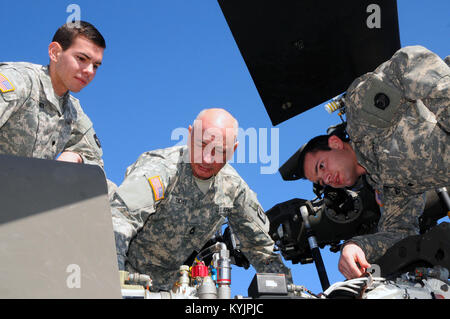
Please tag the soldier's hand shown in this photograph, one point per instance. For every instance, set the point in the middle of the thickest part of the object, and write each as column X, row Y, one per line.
column 70, row 157
column 352, row 263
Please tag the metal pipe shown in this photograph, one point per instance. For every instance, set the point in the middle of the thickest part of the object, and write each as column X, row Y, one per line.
column 315, row 251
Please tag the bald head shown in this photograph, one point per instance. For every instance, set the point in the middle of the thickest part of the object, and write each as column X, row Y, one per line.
column 218, row 118
column 212, row 141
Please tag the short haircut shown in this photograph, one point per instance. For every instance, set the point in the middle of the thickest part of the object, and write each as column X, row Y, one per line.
column 318, row 143
column 67, row 33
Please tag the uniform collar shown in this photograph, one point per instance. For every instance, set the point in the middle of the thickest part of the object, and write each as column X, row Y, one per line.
column 370, row 166
column 216, row 184
column 47, row 86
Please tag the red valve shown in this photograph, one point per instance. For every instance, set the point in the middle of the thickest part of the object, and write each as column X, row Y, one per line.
column 199, row 270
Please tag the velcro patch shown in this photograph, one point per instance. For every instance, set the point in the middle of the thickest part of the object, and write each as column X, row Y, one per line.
column 5, row 84
column 380, row 103
column 157, row 186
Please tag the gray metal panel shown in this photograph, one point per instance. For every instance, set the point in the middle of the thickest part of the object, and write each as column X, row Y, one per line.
column 56, row 235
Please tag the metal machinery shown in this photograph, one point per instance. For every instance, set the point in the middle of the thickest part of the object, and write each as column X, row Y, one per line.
column 416, row 267
column 197, row 281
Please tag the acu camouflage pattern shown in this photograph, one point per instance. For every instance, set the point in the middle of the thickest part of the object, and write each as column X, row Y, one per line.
column 409, row 154
column 35, row 122
column 156, row 238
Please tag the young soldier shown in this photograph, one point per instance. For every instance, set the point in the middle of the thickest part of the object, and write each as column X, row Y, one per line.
column 38, row 116
column 398, row 124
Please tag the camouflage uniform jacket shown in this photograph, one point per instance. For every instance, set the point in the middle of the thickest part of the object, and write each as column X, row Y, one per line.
column 160, row 217
column 398, row 122
column 35, row 122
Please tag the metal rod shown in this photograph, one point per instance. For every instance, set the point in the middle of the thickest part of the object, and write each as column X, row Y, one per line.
column 315, row 251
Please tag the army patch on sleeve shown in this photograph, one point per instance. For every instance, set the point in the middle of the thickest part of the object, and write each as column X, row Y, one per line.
column 5, row 84
column 157, row 186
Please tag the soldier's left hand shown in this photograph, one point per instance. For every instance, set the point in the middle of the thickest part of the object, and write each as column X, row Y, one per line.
column 70, row 157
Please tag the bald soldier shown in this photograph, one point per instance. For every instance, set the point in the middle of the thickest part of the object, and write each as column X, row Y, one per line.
column 38, row 116
column 173, row 200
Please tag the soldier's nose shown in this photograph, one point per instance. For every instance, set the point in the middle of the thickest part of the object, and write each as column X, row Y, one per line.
column 89, row 71
column 208, row 158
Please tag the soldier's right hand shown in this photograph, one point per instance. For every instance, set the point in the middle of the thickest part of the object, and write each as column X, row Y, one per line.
column 352, row 263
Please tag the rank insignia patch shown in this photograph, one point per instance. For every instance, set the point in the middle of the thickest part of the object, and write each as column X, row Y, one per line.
column 5, row 85
column 157, row 186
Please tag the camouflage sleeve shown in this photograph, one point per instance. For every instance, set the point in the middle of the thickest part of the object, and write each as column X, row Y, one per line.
column 422, row 75
column 127, row 221
column 251, row 226
column 84, row 142
column 399, row 219
column 135, row 200
column 16, row 90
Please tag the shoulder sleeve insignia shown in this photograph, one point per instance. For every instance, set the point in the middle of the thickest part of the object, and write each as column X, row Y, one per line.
column 157, row 186
column 5, row 84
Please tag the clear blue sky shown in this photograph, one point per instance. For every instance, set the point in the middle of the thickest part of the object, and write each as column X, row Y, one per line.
column 168, row 59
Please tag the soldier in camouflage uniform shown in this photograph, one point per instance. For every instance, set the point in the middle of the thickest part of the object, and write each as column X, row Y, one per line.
column 38, row 116
column 398, row 124
column 172, row 201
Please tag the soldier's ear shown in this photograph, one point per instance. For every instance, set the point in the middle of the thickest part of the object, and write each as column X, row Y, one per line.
column 189, row 137
column 54, row 50
column 190, row 133
column 335, row 142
